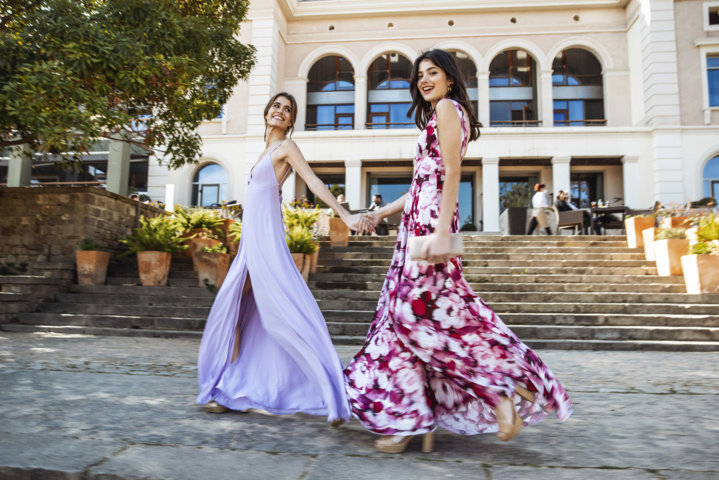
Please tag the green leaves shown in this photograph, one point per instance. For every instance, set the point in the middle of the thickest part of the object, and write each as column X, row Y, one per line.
column 74, row 71
column 161, row 234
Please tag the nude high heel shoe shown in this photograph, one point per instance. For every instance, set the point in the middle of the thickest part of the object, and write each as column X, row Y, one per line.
column 524, row 393
column 507, row 429
column 398, row 443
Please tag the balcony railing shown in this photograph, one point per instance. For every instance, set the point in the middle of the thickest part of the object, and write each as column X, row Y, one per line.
column 515, row 123
column 581, row 123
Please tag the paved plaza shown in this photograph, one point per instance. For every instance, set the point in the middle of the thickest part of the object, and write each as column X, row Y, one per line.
column 83, row 407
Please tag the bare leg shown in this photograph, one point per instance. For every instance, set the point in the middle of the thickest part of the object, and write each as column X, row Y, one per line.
column 245, row 289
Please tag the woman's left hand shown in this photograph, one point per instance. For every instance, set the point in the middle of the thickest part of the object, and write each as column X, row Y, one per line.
column 437, row 249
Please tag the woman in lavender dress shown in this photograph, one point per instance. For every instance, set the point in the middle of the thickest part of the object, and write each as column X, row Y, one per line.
column 436, row 355
column 265, row 344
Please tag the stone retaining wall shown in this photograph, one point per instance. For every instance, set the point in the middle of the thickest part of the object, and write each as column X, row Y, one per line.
column 44, row 225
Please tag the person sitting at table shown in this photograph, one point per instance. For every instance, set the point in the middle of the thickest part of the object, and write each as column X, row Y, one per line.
column 564, row 204
column 377, row 203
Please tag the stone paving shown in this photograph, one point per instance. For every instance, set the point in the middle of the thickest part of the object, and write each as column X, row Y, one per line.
column 81, row 407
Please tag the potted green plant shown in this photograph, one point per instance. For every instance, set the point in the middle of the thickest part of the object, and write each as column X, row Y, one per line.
column 91, row 263
column 302, row 245
column 154, row 242
column 515, row 200
column 634, row 226
column 200, row 227
column 212, row 264
column 233, row 237
column 306, row 218
column 701, row 266
column 669, row 246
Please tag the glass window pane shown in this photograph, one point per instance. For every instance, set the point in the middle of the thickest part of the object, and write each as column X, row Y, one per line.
column 713, row 61
column 713, row 77
column 398, row 113
column 379, row 107
column 345, row 109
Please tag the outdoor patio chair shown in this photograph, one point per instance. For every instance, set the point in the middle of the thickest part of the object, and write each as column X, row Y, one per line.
column 573, row 219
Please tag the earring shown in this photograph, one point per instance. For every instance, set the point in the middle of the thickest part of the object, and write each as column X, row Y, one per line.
column 449, row 89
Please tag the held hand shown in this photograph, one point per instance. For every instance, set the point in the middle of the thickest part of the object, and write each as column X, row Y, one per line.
column 359, row 223
column 373, row 218
column 437, row 249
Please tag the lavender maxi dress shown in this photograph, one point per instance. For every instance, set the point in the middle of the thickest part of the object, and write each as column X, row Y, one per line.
column 287, row 363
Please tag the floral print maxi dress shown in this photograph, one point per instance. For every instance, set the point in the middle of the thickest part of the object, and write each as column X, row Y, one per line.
column 436, row 355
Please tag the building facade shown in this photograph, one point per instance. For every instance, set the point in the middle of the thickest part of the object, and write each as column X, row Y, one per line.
column 615, row 100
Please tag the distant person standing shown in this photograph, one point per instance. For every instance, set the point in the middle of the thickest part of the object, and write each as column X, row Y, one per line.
column 377, row 203
column 540, row 206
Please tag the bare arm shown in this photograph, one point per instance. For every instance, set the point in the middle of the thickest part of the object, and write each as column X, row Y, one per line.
column 389, row 209
column 291, row 153
column 450, row 143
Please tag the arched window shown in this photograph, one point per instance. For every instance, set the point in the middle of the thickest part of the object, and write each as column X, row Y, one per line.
column 711, row 178
column 330, row 95
column 468, row 71
column 388, row 98
column 512, row 90
column 209, row 186
column 577, row 89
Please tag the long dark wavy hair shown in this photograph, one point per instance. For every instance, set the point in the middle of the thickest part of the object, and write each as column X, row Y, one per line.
column 422, row 109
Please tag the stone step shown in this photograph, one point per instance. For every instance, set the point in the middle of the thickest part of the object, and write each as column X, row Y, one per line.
column 335, row 279
column 134, row 299
column 99, row 331
column 600, row 345
column 558, row 332
column 112, row 321
column 133, row 310
column 474, row 255
column 491, row 296
column 171, row 291
column 524, row 287
column 189, row 282
column 512, row 270
column 528, row 263
column 478, row 248
column 546, row 343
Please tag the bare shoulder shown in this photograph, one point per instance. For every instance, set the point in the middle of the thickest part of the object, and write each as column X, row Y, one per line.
column 287, row 149
column 447, row 113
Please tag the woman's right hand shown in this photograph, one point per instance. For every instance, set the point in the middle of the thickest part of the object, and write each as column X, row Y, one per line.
column 373, row 218
column 359, row 223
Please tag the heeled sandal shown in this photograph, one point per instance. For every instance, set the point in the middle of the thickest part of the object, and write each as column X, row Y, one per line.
column 398, row 443
column 524, row 393
column 508, row 431
column 214, row 407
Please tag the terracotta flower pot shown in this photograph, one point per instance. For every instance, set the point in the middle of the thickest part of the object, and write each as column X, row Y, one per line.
column 673, row 222
column 668, row 254
column 302, row 262
column 634, row 227
column 314, row 258
column 701, row 273
column 691, row 234
column 339, row 232
column 196, row 246
column 212, row 268
column 648, row 240
column 91, row 266
column 154, row 268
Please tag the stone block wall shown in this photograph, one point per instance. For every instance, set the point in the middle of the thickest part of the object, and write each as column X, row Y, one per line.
column 43, row 226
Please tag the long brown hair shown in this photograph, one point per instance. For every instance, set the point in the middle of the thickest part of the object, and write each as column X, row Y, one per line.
column 423, row 109
column 293, row 113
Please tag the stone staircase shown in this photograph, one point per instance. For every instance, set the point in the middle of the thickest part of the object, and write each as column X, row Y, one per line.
column 560, row 292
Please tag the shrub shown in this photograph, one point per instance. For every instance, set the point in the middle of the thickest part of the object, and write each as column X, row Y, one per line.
column 198, row 218
column 300, row 240
column 666, row 233
column 88, row 244
column 219, row 248
column 235, row 232
column 160, row 233
column 305, row 218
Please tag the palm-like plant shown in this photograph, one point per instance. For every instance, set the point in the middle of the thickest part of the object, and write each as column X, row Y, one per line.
column 159, row 233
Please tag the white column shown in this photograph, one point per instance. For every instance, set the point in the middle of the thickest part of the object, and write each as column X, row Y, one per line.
column 483, row 98
column 490, row 194
column 353, row 183
column 298, row 88
column 546, row 103
column 170, row 197
column 560, row 174
column 630, row 177
column 360, row 101
column 20, row 166
column 118, row 166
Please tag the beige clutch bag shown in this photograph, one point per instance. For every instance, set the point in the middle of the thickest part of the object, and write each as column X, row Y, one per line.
column 415, row 246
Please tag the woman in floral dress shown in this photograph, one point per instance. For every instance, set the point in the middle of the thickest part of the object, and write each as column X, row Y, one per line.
column 436, row 355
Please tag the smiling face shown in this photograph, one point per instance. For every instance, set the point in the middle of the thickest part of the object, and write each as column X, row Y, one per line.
column 279, row 114
column 432, row 82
